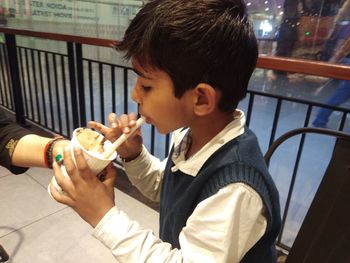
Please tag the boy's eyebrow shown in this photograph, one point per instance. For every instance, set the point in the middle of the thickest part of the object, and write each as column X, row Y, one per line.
column 140, row 74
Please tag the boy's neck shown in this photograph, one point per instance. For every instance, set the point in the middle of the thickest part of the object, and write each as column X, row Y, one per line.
column 206, row 128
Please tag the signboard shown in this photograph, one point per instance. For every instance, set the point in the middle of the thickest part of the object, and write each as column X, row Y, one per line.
column 72, row 11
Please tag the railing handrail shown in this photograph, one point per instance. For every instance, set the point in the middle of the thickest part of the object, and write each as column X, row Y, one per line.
column 309, row 67
column 303, row 66
column 60, row 37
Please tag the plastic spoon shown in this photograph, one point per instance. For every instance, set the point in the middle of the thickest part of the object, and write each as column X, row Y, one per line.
column 122, row 138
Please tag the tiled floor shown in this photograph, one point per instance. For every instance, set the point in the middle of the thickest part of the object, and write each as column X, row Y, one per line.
column 35, row 228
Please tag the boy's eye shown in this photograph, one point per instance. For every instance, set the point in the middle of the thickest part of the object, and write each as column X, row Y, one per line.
column 146, row 88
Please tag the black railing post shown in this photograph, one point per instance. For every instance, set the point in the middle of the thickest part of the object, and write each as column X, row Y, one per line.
column 126, row 90
column 80, row 82
column 15, row 79
column 73, row 86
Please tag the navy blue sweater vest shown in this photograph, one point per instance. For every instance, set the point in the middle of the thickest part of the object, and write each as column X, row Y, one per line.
column 239, row 160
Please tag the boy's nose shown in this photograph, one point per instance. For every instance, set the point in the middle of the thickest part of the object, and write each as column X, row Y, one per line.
column 135, row 96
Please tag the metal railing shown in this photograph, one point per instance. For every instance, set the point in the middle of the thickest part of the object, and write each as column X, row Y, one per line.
column 62, row 91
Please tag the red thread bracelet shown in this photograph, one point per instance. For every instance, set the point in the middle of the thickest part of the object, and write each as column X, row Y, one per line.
column 48, row 151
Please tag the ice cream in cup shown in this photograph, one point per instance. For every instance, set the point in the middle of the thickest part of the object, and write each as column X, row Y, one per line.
column 97, row 150
column 93, row 145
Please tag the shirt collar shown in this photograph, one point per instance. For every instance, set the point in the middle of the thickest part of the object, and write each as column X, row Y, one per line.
column 182, row 139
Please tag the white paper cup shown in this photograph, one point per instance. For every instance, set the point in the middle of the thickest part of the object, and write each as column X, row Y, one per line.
column 94, row 160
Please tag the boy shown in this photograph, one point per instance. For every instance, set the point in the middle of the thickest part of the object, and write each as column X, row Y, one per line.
column 218, row 202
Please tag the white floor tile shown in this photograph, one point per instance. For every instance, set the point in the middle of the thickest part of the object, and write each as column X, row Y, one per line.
column 35, row 228
column 23, row 201
column 61, row 237
column 41, row 175
column 4, row 171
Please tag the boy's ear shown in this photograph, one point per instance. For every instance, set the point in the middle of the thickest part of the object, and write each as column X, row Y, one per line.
column 205, row 99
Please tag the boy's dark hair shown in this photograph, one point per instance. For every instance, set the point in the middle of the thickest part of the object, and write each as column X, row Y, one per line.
column 196, row 41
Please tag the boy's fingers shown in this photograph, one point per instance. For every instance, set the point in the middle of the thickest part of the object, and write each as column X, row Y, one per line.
column 110, row 176
column 70, row 165
column 64, row 182
column 126, row 122
column 109, row 181
column 113, row 120
column 98, row 126
column 84, row 170
column 61, row 198
column 133, row 116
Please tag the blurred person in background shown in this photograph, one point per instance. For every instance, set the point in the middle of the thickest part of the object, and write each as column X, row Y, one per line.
column 304, row 29
column 337, row 50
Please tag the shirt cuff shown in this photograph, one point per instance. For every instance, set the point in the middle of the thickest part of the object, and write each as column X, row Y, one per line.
column 141, row 163
column 113, row 227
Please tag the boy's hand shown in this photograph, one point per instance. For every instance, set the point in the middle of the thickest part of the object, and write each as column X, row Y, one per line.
column 119, row 125
column 89, row 197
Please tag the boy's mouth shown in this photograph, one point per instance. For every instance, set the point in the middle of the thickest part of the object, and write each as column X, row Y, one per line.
column 147, row 119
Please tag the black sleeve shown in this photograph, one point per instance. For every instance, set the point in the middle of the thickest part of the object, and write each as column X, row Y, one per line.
column 10, row 134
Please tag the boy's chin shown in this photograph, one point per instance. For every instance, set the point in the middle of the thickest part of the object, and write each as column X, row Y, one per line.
column 162, row 130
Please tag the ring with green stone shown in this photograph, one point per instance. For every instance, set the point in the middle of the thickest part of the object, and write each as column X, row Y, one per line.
column 59, row 158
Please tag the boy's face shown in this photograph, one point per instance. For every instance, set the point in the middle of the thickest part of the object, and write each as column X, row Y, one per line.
column 154, row 92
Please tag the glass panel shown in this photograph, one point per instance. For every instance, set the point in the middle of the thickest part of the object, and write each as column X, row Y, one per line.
column 303, row 90
column 107, row 19
column 309, row 29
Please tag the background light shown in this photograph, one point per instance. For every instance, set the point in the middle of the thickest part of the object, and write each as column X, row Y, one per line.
column 265, row 26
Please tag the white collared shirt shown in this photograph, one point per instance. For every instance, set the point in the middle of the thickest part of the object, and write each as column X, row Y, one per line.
column 222, row 228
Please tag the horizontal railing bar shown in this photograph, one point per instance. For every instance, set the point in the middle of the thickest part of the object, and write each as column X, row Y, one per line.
column 106, row 63
column 309, row 67
column 307, row 102
column 42, row 50
column 60, row 37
